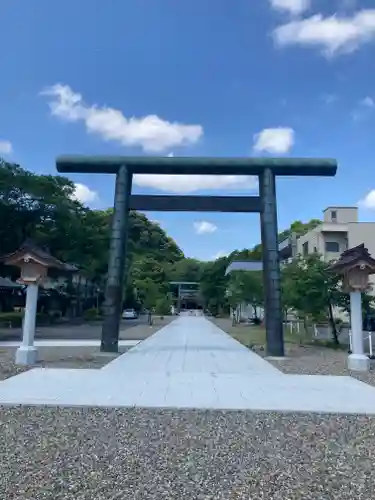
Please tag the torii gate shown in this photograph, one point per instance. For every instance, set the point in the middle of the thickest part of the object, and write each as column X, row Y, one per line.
column 265, row 204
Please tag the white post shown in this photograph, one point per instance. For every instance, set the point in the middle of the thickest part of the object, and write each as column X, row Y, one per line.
column 370, row 343
column 357, row 361
column 27, row 353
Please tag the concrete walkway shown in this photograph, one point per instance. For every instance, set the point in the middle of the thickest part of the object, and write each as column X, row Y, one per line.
column 189, row 364
column 66, row 343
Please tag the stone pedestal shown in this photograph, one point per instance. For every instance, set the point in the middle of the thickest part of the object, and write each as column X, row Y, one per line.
column 27, row 353
column 357, row 361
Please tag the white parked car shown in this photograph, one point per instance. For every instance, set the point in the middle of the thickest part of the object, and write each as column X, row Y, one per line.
column 129, row 314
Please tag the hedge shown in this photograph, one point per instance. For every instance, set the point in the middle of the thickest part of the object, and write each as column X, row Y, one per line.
column 14, row 319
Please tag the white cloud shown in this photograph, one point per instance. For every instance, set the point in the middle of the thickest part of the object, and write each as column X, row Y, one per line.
column 293, row 7
column 84, row 194
column 278, row 140
column 368, row 202
column 329, row 98
column 192, row 183
column 5, row 147
column 368, row 102
column 150, row 132
column 204, row 227
column 332, row 35
column 365, row 107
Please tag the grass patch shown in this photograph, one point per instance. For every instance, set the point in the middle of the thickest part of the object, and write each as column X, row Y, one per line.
column 248, row 335
column 251, row 336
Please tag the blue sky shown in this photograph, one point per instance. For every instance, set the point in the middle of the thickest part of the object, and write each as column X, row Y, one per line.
column 223, row 78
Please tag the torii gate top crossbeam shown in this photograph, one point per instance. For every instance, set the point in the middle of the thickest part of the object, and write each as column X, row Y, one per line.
column 196, row 165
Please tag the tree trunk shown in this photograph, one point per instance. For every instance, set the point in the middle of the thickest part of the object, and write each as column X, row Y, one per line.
column 335, row 337
column 255, row 312
column 234, row 322
column 305, row 325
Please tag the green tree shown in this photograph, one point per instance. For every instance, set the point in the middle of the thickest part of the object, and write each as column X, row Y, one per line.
column 44, row 208
column 148, row 239
column 163, row 305
column 41, row 207
column 252, row 289
column 187, row 269
column 235, row 294
column 246, row 287
column 299, row 228
column 213, row 285
column 149, row 293
column 148, row 267
column 311, row 290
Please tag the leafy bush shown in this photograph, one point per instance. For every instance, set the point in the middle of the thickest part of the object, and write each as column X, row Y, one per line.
column 91, row 314
column 11, row 319
column 14, row 319
column 163, row 306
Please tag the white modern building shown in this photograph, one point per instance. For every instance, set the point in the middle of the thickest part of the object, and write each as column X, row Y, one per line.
column 339, row 230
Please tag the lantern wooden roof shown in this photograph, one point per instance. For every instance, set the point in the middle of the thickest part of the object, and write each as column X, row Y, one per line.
column 358, row 256
column 29, row 250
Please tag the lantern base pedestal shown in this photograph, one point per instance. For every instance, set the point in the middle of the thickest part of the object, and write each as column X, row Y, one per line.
column 26, row 355
column 358, row 362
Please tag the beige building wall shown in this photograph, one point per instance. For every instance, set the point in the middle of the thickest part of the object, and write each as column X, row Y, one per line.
column 340, row 215
column 320, row 240
column 346, row 233
column 362, row 232
column 339, row 231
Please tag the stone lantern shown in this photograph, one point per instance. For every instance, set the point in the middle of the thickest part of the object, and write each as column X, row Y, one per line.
column 33, row 263
column 355, row 266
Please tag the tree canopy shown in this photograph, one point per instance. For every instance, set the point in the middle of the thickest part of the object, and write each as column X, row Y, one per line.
column 44, row 208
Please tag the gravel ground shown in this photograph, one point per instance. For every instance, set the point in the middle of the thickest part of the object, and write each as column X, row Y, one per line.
column 51, row 357
column 141, row 454
column 304, row 360
column 136, row 454
column 311, row 360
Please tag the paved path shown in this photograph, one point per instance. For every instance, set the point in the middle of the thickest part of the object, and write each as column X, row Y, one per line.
column 67, row 343
column 189, row 364
column 85, row 331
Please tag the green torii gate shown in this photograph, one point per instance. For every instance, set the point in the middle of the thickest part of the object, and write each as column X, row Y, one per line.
column 265, row 168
